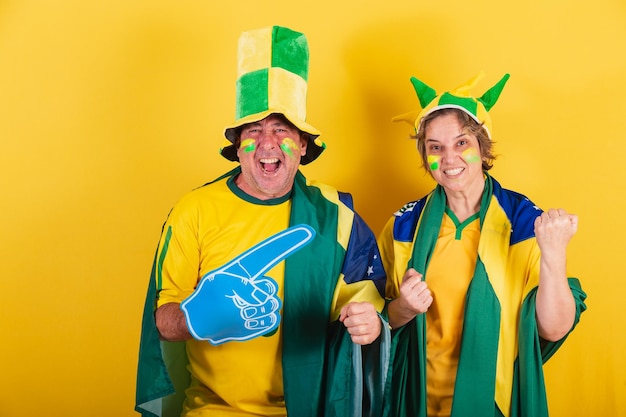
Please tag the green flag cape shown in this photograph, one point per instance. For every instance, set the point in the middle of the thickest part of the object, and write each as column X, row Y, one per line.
column 324, row 373
column 474, row 392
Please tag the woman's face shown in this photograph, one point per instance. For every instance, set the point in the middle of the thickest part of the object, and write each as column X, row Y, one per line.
column 453, row 155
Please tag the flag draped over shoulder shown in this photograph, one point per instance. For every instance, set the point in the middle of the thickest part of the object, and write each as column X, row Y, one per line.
column 162, row 374
column 475, row 392
column 323, row 376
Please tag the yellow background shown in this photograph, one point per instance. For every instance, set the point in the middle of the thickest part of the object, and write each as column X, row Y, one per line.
column 111, row 110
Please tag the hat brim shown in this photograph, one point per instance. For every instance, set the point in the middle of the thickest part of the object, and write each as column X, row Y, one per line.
column 427, row 111
column 314, row 148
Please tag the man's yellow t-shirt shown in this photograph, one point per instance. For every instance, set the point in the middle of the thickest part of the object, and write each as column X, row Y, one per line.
column 205, row 230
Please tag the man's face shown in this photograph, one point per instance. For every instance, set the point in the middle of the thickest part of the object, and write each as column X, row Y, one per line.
column 269, row 153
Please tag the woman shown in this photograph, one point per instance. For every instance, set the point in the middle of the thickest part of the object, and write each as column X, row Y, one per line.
column 477, row 275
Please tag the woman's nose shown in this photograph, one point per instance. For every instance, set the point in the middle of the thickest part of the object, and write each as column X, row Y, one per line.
column 448, row 154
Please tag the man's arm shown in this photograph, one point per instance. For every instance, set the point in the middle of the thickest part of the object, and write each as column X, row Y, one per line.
column 171, row 323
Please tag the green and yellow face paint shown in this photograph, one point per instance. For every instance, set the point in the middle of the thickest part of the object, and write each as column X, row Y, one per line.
column 433, row 162
column 471, row 156
column 289, row 146
column 248, row 145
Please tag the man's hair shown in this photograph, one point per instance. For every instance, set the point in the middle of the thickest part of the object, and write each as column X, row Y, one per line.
column 468, row 125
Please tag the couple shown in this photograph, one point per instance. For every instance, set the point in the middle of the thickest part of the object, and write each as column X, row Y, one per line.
column 271, row 295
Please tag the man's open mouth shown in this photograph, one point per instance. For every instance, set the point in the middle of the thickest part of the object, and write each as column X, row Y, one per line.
column 269, row 164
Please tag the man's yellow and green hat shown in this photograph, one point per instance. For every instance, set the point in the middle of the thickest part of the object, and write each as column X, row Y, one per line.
column 272, row 77
column 459, row 98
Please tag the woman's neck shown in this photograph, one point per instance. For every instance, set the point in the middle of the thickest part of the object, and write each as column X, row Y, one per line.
column 466, row 203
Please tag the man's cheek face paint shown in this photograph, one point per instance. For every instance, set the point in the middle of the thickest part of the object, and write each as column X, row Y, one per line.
column 248, row 145
column 471, row 156
column 289, row 147
column 433, row 162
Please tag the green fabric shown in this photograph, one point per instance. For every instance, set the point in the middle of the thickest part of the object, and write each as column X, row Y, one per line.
column 425, row 93
column 252, row 93
column 409, row 358
column 358, row 379
column 475, row 386
column 376, row 373
column 529, row 391
column 290, row 51
column 159, row 265
column 347, row 380
column 162, row 375
column 490, row 97
column 474, row 393
column 306, row 318
column 467, row 103
column 318, row 372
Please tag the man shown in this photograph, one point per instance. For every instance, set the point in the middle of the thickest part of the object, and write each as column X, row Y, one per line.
column 262, row 274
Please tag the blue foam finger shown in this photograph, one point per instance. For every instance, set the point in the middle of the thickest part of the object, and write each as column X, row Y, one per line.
column 219, row 313
column 235, row 302
column 263, row 256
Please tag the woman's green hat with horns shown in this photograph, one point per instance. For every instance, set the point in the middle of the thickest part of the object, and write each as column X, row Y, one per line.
column 458, row 98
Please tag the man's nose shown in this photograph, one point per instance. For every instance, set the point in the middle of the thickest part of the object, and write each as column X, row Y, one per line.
column 268, row 140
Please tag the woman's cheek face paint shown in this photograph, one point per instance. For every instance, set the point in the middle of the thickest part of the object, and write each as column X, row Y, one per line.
column 289, row 147
column 471, row 156
column 248, row 145
column 433, row 162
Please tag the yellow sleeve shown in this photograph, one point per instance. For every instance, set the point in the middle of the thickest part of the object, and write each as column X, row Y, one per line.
column 178, row 255
column 356, row 292
column 395, row 257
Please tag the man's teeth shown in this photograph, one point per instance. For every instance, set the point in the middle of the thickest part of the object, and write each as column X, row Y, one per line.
column 454, row 171
column 269, row 165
